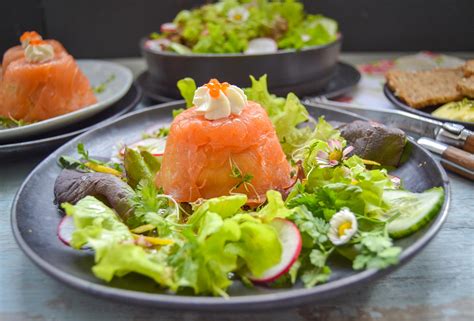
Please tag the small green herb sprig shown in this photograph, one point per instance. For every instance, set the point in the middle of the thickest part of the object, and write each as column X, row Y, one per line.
column 72, row 163
column 100, row 88
column 244, row 180
column 10, row 122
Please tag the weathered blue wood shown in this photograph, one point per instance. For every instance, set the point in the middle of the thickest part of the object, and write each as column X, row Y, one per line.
column 438, row 284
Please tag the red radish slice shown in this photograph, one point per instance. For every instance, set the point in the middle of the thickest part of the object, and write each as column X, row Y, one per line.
column 261, row 45
column 291, row 242
column 395, row 180
column 156, row 146
column 65, row 229
column 157, row 44
column 169, row 27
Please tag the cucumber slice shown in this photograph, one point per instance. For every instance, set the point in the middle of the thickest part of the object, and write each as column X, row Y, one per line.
column 415, row 209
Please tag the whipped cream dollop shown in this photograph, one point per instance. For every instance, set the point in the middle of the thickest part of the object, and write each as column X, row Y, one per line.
column 27, row 36
column 39, row 51
column 218, row 100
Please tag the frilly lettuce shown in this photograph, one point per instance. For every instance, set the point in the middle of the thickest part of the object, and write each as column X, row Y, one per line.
column 187, row 87
column 293, row 125
column 208, row 29
column 115, row 253
column 220, row 239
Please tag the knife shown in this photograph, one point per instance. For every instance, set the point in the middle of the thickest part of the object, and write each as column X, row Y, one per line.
column 450, row 133
column 453, row 159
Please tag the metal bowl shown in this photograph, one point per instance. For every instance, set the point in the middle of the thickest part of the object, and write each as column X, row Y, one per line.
column 302, row 71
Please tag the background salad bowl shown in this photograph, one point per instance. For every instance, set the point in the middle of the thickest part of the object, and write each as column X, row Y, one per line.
column 35, row 219
column 303, row 71
column 298, row 51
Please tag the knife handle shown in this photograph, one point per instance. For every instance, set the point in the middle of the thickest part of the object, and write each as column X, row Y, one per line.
column 469, row 144
column 459, row 157
column 458, row 170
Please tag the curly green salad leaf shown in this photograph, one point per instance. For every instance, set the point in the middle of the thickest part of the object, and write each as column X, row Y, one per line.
column 222, row 239
column 289, row 116
column 187, row 87
column 227, row 26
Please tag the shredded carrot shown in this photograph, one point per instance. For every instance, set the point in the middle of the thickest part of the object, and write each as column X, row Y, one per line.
column 215, row 87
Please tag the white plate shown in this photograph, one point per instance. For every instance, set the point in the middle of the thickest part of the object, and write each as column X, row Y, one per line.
column 97, row 72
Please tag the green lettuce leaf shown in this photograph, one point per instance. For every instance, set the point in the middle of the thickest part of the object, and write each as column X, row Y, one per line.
column 140, row 166
column 259, row 247
column 98, row 227
column 285, row 114
column 275, row 207
column 187, row 87
column 225, row 206
column 224, row 237
column 120, row 259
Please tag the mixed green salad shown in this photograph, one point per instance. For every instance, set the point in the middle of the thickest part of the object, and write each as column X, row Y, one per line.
column 340, row 205
column 233, row 26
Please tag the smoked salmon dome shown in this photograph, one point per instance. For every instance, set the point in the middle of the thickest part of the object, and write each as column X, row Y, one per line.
column 38, row 91
column 17, row 52
column 236, row 154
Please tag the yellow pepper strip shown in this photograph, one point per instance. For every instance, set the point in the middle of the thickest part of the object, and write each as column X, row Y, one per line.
column 154, row 240
column 103, row 169
column 143, row 228
column 369, row 162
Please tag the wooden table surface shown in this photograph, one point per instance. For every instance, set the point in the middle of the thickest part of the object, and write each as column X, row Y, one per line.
column 438, row 284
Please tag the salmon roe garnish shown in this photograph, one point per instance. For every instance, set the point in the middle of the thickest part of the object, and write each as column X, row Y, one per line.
column 215, row 87
column 36, row 42
column 30, row 35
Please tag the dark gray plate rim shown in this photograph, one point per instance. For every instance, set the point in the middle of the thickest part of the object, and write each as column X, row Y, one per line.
column 291, row 297
column 344, row 68
column 134, row 90
column 401, row 105
column 239, row 54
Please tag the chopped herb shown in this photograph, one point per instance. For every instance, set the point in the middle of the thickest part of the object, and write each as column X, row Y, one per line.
column 160, row 133
column 10, row 122
column 99, row 89
column 244, row 179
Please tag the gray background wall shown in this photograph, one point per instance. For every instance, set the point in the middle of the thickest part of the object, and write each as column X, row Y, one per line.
column 112, row 28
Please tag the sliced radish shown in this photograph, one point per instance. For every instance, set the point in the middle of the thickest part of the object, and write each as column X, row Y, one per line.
column 155, row 146
column 65, row 229
column 261, row 45
column 157, row 44
column 396, row 181
column 291, row 242
column 169, row 27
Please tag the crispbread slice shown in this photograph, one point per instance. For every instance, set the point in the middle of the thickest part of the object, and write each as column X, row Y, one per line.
column 468, row 68
column 425, row 88
column 466, row 86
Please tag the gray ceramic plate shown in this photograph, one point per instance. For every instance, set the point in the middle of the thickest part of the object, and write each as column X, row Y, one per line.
column 35, row 219
column 97, row 72
column 47, row 142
